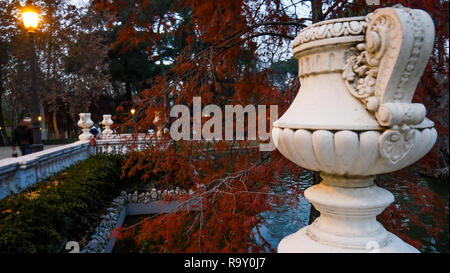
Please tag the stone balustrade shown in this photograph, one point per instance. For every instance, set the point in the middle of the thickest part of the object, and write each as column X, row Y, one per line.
column 123, row 143
column 16, row 174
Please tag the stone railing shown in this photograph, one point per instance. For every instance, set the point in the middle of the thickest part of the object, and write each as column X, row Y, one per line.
column 19, row 173
column 16, row 174
column 123, row 143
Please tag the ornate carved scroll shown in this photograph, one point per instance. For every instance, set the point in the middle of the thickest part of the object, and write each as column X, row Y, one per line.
column 383, row 72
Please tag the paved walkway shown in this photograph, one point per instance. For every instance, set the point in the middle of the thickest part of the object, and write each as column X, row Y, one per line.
column 5, row 151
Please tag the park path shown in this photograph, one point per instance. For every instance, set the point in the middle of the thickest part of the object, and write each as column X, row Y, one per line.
column 5, row 151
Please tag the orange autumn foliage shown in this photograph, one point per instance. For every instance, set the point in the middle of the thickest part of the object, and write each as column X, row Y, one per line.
column 219, row 59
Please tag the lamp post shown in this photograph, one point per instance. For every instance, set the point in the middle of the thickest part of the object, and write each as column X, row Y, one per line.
column 30, row 17
column 133, row 111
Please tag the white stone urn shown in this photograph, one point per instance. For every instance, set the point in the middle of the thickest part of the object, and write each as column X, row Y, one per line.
column 107, row 122
column 353, row 119
column 85, row 123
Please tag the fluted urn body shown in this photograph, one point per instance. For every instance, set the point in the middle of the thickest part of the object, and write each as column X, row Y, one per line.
column 353, row 119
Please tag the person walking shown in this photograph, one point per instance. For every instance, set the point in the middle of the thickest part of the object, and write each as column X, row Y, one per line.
column 23, row 137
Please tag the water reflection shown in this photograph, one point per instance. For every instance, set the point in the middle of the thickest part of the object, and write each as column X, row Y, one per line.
column 286, row 219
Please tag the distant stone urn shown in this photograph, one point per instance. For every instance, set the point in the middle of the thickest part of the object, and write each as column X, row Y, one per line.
column 85, row 123
column 107, row 122
column 353, row 119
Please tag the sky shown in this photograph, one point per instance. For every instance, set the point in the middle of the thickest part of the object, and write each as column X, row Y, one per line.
column 79, row 3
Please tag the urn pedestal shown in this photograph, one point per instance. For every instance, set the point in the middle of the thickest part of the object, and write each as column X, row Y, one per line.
column 353, row 119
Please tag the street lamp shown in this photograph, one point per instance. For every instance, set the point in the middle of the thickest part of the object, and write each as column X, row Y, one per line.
column 30, row 17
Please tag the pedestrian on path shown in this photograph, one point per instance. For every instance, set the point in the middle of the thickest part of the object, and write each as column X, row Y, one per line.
column 23, row 137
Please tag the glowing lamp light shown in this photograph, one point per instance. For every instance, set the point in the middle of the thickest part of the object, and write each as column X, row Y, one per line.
column 30, row 19
column 39, row 118
column 132, row 111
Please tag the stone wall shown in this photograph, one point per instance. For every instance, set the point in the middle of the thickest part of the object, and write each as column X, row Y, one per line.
column 16, row 174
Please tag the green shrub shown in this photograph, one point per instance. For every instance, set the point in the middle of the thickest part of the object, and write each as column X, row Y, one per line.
column 62, row 208
column 59, row 141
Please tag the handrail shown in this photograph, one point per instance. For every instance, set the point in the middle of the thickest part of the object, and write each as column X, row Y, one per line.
column 16, row 174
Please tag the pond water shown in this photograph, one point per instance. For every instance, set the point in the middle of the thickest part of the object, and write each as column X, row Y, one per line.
column 285, row 219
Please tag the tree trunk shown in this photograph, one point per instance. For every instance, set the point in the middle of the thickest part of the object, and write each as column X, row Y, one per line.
column 4, row 140
column 317, row 16
column 55, row 125
column 313, row 213
column 128, row 89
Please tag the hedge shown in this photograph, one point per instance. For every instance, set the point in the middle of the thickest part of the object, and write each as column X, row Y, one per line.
column 62, row 208
column 59, row 141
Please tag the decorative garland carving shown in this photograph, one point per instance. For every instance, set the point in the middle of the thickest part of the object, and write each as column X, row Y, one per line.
column 362, row 62
column 331, row 29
